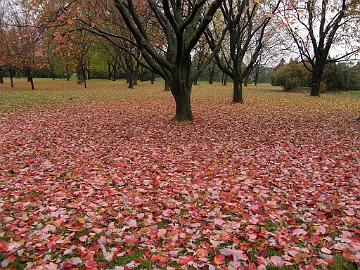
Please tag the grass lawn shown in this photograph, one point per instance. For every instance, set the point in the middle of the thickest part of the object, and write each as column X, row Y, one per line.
column 100, row 178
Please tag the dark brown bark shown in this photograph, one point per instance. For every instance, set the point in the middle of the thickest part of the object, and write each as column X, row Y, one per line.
column 166, row 87
column 183, row 104
column 152, row 77
column 224, row 79
column 238, row 95
column 316, row 78
column 211, row 74
column 32, row 83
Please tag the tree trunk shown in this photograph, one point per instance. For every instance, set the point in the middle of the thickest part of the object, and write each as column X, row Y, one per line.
column 109, row 71
column 167, row 87
column 224, row 79
column 11, row 81
column 196, row 82
column 257, row 71
column 183, row 103
column 152, row 77
column 315, row 84
column 1, row 75
column 316, row 77
column 114, row 74
column 32, row 83
column 238, row 95
column 135, row 78
column 211, row 75
column 84, row 76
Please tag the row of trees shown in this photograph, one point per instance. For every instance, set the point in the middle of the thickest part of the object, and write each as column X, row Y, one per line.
column 176, row 39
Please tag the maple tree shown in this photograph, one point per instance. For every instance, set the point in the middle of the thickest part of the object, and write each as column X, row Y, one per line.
column 182, row 24
column 317, row 26
column 247, row 22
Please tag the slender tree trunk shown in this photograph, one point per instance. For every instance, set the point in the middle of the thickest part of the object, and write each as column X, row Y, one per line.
column 196, row 82
column 246, row 81
column 114, row 74
column 32, row 83
column 224, row 79
column 211, row 75
column 109, row 71
column 135, row 78
column 152, row 77
column 1, row 76
column 84, row 76
column 256, row 76
column 11, row 80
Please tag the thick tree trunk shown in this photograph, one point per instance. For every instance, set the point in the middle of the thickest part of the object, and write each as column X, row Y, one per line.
column 316, row 78
column 238, row 95
column 183, row 105
column 180, row 86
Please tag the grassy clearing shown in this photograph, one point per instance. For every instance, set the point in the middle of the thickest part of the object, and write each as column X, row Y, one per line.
column 60, row 92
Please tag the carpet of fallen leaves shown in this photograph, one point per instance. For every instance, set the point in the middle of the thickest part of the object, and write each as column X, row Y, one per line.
column 114, row 184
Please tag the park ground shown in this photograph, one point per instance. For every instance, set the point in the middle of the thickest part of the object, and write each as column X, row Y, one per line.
column 100, row 178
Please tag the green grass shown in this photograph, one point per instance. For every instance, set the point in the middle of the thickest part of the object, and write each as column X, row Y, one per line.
column 57, row 93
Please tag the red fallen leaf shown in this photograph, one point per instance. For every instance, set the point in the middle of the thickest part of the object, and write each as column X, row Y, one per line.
column 3, row 245
column 348, row 256
column 185, row 260
column 10, row 259
column 202, row 253
column 160, row 259
column 225, row 237
column 315, row 239
column 219, row 259
column 90, row 265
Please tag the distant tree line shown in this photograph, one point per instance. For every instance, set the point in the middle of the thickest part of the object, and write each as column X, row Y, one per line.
column 337, row 76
